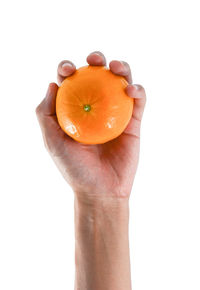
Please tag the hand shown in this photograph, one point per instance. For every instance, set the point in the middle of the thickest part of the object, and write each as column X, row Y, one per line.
column 100, row 171
column 100, row 175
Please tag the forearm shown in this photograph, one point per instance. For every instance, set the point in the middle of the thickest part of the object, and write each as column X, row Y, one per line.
column 102, row 245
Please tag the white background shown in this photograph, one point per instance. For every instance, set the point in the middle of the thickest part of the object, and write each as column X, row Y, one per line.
column 160, row 40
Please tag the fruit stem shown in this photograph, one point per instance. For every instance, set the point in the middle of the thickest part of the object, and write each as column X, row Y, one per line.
column 87, row 108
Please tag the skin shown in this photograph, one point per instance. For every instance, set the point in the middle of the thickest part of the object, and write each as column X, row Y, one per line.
column 101, row 177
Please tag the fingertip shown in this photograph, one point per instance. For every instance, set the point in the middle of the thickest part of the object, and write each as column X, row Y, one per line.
column 135, row 91
column 66, row 68
column 130, row 91
column 52, row 88
column 139, row 88
column 96, row 58
column 48, row 105
column 118, row 67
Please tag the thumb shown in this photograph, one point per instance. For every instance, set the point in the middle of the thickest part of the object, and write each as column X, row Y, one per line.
column 48, row 106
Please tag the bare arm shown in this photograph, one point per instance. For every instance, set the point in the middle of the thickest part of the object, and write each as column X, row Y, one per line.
column 102, row 245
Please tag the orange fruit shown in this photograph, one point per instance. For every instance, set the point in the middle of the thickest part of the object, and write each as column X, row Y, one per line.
column 92, row 106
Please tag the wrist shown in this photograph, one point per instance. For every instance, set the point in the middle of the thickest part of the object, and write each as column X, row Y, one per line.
column 100, row 201
column 104, row 212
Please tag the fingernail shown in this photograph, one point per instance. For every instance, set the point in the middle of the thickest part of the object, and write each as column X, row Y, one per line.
column 124, row 65
column 67, row 64
column 97, row 53
column 136, row 87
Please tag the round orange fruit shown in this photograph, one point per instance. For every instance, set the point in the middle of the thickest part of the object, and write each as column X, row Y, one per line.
column 92, row 106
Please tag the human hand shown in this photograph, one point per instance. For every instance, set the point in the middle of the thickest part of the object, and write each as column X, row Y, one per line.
column 103, row 170
column 99, row 176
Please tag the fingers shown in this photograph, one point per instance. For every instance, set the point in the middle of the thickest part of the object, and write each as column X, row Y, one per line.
column 46, row 112
column 53, row 136
column 138, row 93
column 65, row 69
column 121, row 68
column 96, row 58
column 134, row 91
column 48, row 106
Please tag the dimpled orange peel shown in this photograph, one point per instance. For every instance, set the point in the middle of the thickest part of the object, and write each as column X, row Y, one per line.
column 92, row 106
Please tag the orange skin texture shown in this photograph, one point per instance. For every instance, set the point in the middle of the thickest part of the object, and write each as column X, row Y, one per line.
column 110, row 107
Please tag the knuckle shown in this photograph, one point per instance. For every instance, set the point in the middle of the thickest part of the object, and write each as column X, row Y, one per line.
column 40, row 109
